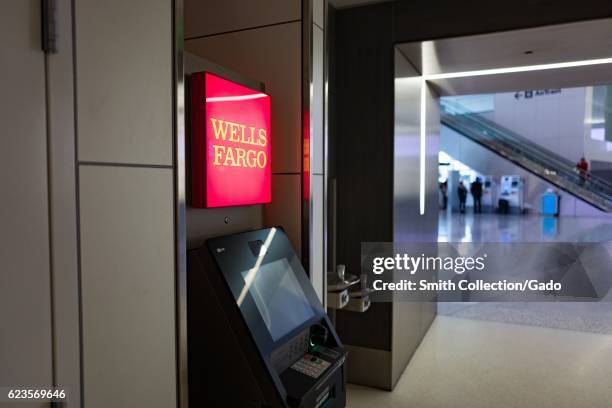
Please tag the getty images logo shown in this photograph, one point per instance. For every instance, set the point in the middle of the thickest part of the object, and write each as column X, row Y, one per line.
column 413, row 264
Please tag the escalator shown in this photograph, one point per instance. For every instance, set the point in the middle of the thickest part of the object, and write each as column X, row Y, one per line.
column 530, row 156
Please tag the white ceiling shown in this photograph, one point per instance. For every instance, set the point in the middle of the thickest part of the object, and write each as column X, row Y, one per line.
column 551, row 44
column 559, row 43
column 544, row 79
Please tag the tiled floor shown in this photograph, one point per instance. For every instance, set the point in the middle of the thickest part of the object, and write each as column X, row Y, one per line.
column 477, row 364
column 509, row 355
column 577, row 316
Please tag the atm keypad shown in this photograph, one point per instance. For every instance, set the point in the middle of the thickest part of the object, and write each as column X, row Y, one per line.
column 285, row 355
column 311, row 366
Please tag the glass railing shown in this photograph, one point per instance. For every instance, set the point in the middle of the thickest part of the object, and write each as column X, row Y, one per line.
column 549, row 165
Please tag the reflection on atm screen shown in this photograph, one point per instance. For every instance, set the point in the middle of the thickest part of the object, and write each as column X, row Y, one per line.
column 278, row 297
column 252, row 307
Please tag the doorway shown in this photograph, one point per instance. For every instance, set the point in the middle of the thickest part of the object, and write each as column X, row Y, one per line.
column 498, row 353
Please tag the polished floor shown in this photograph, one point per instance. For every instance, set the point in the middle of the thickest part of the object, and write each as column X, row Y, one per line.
column 576, row 316
column 595, row 317
column 512, row 354
column 521, row 228
column 478, row 364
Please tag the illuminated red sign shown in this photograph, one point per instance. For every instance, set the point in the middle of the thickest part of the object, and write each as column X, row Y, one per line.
column 230, row 127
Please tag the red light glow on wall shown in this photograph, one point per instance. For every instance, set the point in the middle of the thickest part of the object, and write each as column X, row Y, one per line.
column 230, row 143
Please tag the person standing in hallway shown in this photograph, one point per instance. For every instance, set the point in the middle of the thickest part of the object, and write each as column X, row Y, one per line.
column 476, row 190
column 583, row 167
column 444, row 194
column 462, row 192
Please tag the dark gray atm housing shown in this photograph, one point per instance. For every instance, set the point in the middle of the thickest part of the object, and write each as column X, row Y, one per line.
column 258, row 334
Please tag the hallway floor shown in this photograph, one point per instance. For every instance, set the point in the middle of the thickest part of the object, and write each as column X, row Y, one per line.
column 489, row 227
column 595, row 317
column 509, row 355
column 479, row 364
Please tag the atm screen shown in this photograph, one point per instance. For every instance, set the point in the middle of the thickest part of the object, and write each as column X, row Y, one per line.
column 279, row 297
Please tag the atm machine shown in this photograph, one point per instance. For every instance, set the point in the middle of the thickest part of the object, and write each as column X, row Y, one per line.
column 513, row 190
column 489, row 194
column 258, row 335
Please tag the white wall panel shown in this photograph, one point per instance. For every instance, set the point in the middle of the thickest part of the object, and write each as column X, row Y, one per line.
column 318, row 12
column 411, row 222
column 127, row 275
column 62, row 186
column 25, row 328
column 124, row 74
column 317, row 138
column 317, row 263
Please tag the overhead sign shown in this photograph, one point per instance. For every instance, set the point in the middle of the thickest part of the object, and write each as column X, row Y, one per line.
column 535, row 92
column 230, row 127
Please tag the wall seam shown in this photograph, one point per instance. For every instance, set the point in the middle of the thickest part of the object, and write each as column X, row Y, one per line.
column 179, row 199
column 77, row 198
column 114, row 164
column 197, row 37
column 50, row 224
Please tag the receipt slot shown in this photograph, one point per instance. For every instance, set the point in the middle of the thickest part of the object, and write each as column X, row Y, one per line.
column 258, row 335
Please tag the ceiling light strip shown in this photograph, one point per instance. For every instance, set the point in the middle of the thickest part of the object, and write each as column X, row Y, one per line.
column 422, row 134
column 526, row 68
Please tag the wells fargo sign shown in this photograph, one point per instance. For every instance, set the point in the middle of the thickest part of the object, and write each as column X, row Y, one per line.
column 230, row 128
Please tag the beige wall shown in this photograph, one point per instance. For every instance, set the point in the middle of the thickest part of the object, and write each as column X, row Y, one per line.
column 95, row 195
column 213, row 17
column 87, row 289
column 262, row 40
column 63, row 208
column 263, row 43
column 411, row 320
column 126, row 202
column 25, row 291
column 127, row 281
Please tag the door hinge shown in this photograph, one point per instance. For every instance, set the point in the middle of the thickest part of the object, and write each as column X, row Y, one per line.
column 49, row 26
